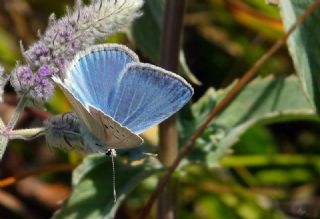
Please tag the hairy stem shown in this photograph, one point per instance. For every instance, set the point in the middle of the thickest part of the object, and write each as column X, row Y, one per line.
column 247, row 77
column 27, row 134
column 169, row 59
column 19, row 109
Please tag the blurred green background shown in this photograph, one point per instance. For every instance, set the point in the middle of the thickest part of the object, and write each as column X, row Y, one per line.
column 271, row 172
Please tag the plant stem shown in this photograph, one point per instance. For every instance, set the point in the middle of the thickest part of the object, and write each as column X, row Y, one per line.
column 169, row 59
column 222, row 105
column 168, row 141
column 27, row 134
column 20, row 107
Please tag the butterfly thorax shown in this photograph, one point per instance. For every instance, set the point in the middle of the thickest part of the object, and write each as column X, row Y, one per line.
column 67, row 132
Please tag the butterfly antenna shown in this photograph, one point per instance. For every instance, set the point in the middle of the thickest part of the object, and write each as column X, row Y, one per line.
column 114, row 179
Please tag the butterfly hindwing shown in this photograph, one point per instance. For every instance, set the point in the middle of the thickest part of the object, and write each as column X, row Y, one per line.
column 115, row 135
column 146, row 95
column 100, row 125
column 92, row 74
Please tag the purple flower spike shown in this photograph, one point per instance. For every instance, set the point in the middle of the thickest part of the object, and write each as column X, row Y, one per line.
column 43, row 86
column 38, row 54
column 44, row 71
column 43, row 90
column 39, row 86
column 24, row 77
column 64, row 38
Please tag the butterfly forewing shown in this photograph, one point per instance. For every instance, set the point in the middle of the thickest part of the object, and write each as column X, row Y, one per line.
column 92, row 75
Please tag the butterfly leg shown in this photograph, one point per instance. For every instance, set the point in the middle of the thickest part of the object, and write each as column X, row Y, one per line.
column 67, row 142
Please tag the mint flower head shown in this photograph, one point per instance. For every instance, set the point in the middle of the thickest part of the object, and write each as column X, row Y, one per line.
column 38, row 85
column 65, row 37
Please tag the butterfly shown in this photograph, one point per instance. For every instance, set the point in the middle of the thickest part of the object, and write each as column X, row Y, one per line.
column 116, row 97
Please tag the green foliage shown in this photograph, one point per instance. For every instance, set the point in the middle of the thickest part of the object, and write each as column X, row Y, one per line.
column 242, row 165
column 245, row 111
column 92, row 195
column 304, row 46
column 256, row 140
column 264, row 101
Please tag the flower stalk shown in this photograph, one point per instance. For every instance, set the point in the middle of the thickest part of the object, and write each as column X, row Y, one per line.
column 27, row 134
column 19, row 109
column 169, row 59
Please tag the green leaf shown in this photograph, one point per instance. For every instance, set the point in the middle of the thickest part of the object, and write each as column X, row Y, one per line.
column 146, row 32
column 265, row 100
column 87, row 165
column 304, row 46
column 92, row 195
column 256, row 140
column 3, row 140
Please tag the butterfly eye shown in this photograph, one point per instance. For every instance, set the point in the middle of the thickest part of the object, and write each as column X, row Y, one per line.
column 99, row 145
column 108, row 153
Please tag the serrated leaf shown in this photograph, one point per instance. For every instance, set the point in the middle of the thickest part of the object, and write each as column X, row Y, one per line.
column 146, row 32
column 270, row 97
column 262, row 101
column 92, row 195
column 304, row 46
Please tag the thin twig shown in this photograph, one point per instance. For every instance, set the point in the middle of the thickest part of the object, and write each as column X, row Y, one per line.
column 50, row 168
column 223, row 104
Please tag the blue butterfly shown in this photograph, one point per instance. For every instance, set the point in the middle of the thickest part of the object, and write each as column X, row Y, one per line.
column 116, row 97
